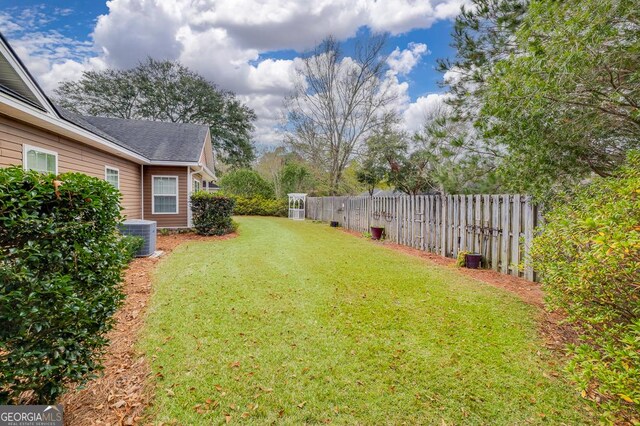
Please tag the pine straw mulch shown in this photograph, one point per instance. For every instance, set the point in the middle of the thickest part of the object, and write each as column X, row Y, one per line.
column 555, row 333
column 119, row 396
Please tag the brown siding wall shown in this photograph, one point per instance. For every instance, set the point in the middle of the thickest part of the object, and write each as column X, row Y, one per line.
column 72, row 157
column 167, row 220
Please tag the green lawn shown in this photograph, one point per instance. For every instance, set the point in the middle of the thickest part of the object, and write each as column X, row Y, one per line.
column 296, row 322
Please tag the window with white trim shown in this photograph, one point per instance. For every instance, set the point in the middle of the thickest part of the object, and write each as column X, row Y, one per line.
column 112, row 175
column 41, row 160
column 165, row 194
column 197, row 185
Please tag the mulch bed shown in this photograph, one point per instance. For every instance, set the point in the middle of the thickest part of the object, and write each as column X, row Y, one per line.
column 556, row 334
column 119, row 396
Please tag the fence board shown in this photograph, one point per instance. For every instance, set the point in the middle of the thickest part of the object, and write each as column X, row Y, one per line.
column 495, row 234
column 505, row 245
column 515, row 237
column 529, row 217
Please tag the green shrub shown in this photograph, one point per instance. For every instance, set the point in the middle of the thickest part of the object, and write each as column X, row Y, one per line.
column 246, row 183
column 211, row 213
column 132, row 244
column 61, row 263
column 259, row 206
column 589, row 257
column 461, row 260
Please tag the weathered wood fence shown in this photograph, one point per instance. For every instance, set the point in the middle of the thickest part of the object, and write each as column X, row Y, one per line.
column 500, row 227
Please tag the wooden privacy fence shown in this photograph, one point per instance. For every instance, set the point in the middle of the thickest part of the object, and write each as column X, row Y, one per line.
column 500, row 227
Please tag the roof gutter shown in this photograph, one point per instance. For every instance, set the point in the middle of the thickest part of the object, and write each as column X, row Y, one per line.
column 207, row 173
column 173, row 163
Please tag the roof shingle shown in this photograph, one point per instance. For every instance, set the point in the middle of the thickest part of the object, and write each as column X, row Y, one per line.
column 156, row 140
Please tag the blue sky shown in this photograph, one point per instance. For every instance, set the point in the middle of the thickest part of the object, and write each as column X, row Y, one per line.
column 247, row 53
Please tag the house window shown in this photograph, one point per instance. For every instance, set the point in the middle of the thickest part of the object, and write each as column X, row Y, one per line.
column 165, row 195
column 41, row 160
column 197, row 186
column 112, row 175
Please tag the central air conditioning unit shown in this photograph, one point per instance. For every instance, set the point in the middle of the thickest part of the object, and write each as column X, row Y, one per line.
column 141, row 228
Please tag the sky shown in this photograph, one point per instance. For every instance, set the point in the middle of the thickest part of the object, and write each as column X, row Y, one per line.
column 246, row 46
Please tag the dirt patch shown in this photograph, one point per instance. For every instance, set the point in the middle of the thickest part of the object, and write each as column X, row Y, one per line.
column 119, row 395
column 556, row 334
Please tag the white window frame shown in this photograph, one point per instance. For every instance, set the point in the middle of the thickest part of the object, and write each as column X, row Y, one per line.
column 153, row 193
column 26, row 148
column 199, row 182
column 114, row 169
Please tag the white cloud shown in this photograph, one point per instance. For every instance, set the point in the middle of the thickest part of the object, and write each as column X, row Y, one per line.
column 402, row 61
column 135, row 29
column 399, row 16
column 416, row 113
column 222, row 40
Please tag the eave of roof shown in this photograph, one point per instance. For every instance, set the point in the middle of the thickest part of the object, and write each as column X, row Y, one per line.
column 36, row 97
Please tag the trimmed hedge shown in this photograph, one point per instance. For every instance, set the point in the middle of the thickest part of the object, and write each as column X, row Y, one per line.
column 589, row 257
column 211, row 214
column 260, row 206
column 61, row 264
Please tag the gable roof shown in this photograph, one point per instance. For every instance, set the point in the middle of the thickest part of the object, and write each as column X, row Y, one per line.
column 156, row 140
column 16, row 80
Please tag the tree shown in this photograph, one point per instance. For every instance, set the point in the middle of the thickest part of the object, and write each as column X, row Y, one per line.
column 166, row 91
column 483, row 34
column 371, row 170
column 370, row 174
column 270, row 166
column 296, row 177
column 245, row 183
column 336, row 103
column 461, row 162
column 465, row 159
column 567, row 106
column 286, row 172
column 407, row 169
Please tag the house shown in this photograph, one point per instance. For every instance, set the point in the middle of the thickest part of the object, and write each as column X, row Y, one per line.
column 155, row 165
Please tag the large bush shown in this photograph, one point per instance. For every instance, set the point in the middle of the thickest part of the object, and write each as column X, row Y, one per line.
column 61, row 263
column 260, row 206
column 246, row 183
column 211, row 214
column 589, row 257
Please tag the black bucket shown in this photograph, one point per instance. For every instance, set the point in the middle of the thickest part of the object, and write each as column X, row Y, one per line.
column 473, row 260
